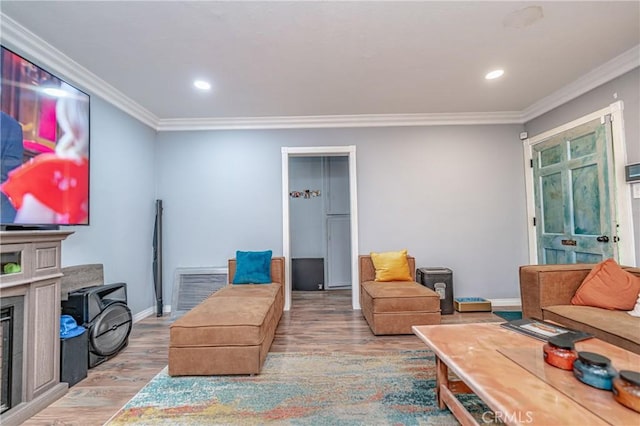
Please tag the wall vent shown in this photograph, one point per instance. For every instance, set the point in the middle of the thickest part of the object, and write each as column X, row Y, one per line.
column 192, row 285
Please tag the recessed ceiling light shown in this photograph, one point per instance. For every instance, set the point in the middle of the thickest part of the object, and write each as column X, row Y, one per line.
column 494, row 74
column 202, row 85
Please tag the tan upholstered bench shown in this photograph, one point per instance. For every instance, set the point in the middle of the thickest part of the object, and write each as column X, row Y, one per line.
column 393, row 307
column 231, row 331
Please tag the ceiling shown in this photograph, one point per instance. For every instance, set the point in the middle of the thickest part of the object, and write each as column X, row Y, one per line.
column 333, row 58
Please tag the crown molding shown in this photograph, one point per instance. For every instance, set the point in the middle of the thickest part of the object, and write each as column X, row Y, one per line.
column 19, row 38
column 339, row 121
column 616, row 67
column 29, row 45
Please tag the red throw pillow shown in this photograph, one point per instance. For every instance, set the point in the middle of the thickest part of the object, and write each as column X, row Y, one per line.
column 608, row 286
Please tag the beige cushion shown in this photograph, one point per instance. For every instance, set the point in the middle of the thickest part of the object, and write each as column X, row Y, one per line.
column 249, row 290
column 617, row 323
column 224, row 321
column 401, row 296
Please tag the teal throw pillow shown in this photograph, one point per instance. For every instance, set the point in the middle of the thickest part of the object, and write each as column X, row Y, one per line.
column 253, row 267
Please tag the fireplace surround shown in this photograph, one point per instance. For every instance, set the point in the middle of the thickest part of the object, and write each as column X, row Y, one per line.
column 37, row 283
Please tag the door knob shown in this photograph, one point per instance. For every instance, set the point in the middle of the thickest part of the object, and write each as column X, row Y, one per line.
column 603, row 239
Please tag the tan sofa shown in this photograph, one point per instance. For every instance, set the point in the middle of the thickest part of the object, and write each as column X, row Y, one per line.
column 393, row 307
column 231, row 331
column 546, row 292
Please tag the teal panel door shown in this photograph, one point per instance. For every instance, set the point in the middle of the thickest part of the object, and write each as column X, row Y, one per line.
column 573, row 197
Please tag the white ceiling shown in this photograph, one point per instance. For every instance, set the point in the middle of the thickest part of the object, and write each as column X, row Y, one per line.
column 331, row 58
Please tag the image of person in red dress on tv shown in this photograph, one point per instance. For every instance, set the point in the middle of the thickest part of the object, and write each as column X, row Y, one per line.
column 53, row 188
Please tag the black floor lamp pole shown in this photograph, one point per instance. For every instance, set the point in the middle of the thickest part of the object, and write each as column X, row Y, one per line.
column 157, row 258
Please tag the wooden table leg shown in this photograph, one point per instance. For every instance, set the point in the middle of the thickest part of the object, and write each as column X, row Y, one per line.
column 445, row 390
column 442, row 379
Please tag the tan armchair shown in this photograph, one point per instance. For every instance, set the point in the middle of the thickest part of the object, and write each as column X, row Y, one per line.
column 393, row 307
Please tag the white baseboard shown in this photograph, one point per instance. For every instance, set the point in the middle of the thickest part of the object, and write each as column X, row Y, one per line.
column 150, row 311
column 506, row 302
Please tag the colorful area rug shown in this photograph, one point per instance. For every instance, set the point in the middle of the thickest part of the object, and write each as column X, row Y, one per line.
column 302, row 389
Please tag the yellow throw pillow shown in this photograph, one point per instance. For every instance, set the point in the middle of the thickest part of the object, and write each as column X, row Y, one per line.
column 391, row 266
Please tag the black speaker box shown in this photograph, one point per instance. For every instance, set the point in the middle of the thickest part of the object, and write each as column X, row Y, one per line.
column 103, row 311
column 73, row 359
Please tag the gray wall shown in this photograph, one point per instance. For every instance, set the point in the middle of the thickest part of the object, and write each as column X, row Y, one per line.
column 306, row 215
column 452, row 195
column 624, row 88
column 122, row 204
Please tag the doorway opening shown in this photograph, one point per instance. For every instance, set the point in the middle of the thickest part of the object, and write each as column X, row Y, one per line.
column 343, row 222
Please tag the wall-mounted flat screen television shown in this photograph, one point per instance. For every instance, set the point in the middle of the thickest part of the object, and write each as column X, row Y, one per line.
column 44, row 147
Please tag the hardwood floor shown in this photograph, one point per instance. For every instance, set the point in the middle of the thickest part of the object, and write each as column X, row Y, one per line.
column 318, row 321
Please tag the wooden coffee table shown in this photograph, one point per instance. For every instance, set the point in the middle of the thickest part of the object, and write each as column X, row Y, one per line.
column 507, row 371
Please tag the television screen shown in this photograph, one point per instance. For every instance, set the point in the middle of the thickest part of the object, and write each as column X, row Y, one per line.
column 44, row 147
